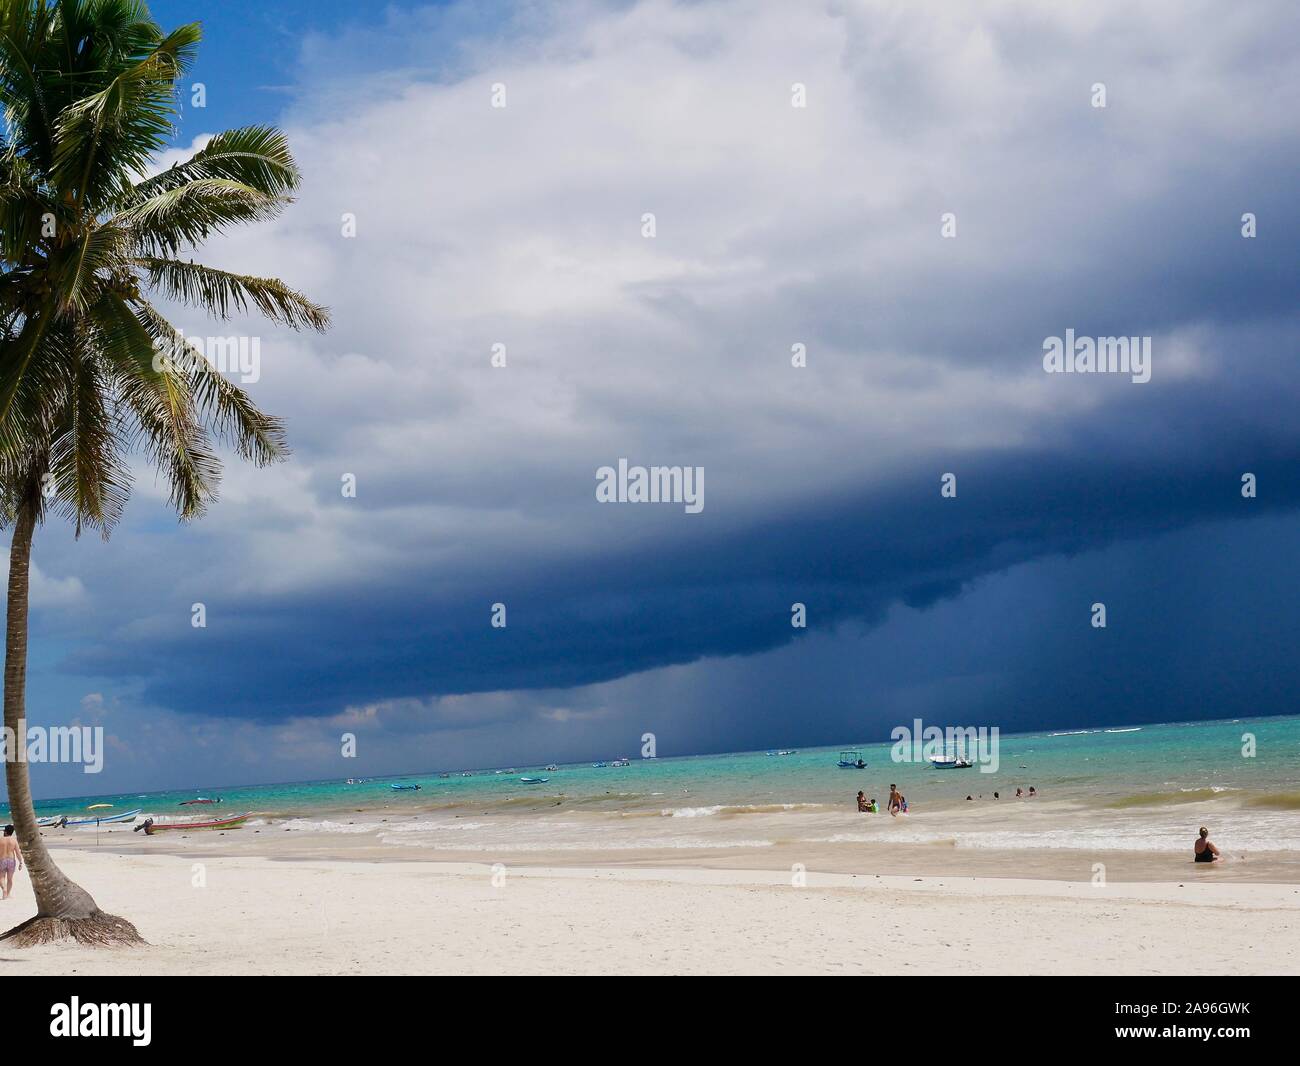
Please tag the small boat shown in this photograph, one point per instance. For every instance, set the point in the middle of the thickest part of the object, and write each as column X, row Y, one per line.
column 598, row 765
column 151, row 827
column 552, row 769
column 128, row 816
column 405, row 788
column 624, row 761
column 851, row 760
column 533, row 780
column 194, row 802
column 951, row 762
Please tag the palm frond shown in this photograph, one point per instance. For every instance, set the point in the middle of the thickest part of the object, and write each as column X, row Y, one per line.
column 190, row 213
column 78, row 274
column 89, row 369
column 156, row 393
column 257, row 156
column 223, row 293
column 226, row 408
column 125, row 123
column 89, row 479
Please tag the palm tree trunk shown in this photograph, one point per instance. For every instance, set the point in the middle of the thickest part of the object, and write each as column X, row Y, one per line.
column 63, row 908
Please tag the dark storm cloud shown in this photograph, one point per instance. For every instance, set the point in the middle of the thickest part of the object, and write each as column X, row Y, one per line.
column 775, row 227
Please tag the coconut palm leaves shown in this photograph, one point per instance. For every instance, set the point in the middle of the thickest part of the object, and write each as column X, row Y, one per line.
column 88, row 239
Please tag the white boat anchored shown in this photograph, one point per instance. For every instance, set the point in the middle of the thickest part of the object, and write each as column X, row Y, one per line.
column 851, row 760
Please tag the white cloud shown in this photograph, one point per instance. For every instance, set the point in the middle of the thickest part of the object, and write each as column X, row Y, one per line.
column 776, row 225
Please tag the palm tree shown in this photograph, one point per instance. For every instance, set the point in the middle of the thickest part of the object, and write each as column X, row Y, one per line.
column 90, row 370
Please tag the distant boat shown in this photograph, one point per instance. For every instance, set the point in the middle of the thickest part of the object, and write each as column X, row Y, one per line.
column 151, row 827
column 623, row 761
column 466, row 773
column 1131, row 729
column 552, row 769
column 851, row 760
column 533, row 780
column 405, row 788
column 599, row 765
column 191, row 803
column 789, row 752
column 950, row 762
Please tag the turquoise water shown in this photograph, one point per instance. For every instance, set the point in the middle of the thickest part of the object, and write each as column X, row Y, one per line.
column 1155, row 766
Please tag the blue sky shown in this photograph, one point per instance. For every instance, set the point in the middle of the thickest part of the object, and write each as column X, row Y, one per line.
column 775, row 226
column 252, row 53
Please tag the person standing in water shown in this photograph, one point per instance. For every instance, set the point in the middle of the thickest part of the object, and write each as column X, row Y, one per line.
column 11, row 857
column 1205, row 851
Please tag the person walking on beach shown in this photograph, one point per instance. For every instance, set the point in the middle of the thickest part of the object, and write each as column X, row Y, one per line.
column 11, row 856
column 1205, row 851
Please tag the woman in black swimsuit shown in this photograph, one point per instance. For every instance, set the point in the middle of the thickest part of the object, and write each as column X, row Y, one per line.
column 1205, row 851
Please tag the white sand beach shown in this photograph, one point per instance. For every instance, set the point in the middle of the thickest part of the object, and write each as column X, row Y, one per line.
column 251, row 914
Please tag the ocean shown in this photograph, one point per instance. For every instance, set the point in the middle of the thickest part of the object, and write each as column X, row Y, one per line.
column 1143, row 788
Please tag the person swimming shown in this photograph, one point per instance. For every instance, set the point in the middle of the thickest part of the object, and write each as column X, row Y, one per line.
column 1203, row 849
column 863, row 805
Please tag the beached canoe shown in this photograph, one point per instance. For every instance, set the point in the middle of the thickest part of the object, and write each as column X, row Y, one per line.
column 151, row 827
column 128, row 816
